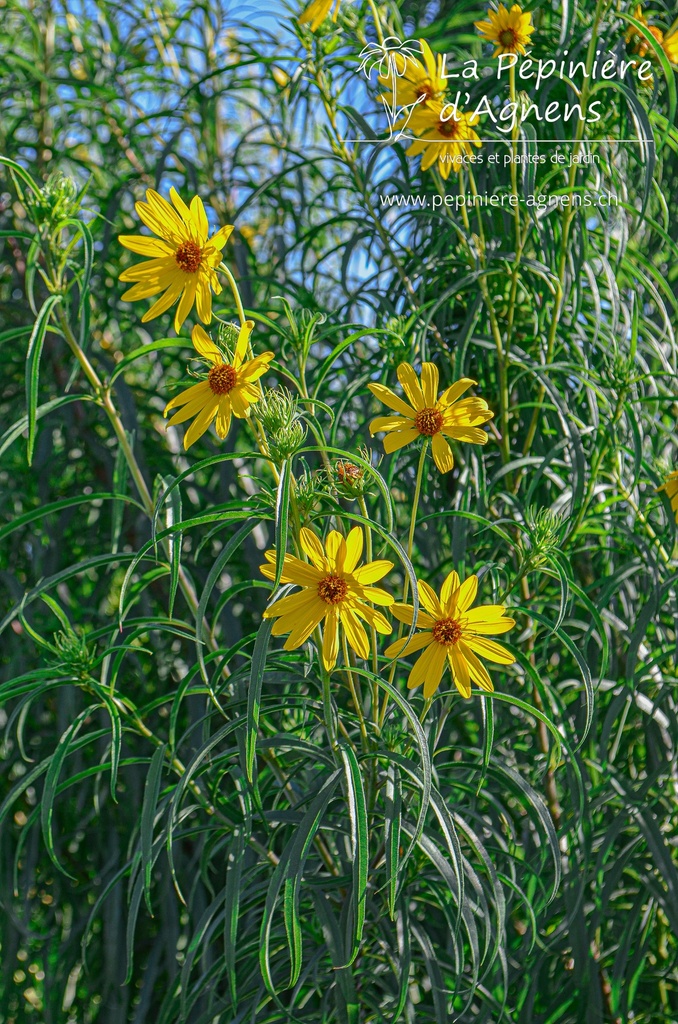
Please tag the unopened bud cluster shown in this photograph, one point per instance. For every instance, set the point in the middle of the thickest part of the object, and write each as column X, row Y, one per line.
column 56, row 200
column 72, row 653
column 279, row 416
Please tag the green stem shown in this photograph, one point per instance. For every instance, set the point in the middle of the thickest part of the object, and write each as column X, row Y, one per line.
column 236, row 294
column 410, row 545
column 354, row 693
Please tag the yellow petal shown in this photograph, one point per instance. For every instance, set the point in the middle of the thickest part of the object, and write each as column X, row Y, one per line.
column 242, row 343
column 200, row 218
column 223, row 423
column 373, row 618
column 312, row 616
column 410, row 385
column 202, row 389
column 201, row 423
column 335, row 551
column 390, row 399
column 466, row 594
column 401, row 648
column 435, row 669
column 429, row 383
column 204, row 346
column 460, row 672
column 186, row 304
column 429, row 599
column 405, row 612
column 452, row 393
column 489, row 649
column 330, row 638
column 477, row 670
column 442, row 453
column 371, row 571
column 447, row 591
column 355, row 632
column 312, row 545
column 163, row 303
column 390, row 423
column 398, row 439
column 145, row 246
column 203, row 298
column 354, row 549
column 294, row 571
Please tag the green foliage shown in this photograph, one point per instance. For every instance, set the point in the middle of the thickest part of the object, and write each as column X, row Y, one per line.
column 197, row 825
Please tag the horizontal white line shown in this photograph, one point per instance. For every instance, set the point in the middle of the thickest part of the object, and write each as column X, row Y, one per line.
column 577, row 142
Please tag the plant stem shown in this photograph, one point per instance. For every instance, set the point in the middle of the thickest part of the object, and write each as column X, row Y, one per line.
column 410, row 545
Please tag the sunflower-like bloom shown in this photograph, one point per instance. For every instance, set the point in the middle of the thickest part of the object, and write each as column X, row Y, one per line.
column 416, row 82
column 430, row 415
column 317, row 11
column 445, row 135
column 670, row 47
column 508, row 31
column 182, row 260
column 670, row 485
column 334, row 589
column 636, row 42
column 229, row 388
column 452, row 632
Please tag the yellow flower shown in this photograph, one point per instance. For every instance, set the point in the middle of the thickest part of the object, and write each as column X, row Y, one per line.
column 334, row 589
column 317, row 11
column 430, row 415
column 637, row 43
column 452, row 632
column 416, row 82
column 229, row 387
column 670, row 47
column 509, row 31
column 182, row 260
column 670, row 485
column 445, row 135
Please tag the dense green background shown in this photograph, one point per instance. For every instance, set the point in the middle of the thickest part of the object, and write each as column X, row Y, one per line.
column 564, row 518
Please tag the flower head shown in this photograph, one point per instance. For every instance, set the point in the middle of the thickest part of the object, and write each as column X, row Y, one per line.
column 417, row 81
column 670, row 486
column 454, row 633
column 317, row 11
column 670, row 47
column 429, row 414
column 509, row 31
column 446, row 135
column 229, row 388
column 638, row 43
column 335, row 591
column 182, row 260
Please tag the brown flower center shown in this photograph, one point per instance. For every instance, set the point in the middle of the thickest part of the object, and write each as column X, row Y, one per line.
column 425, row 89
column 222, row 378
column 451, row 128
column 332, row 589
column 447, row 632
column 428, row 421
column 188, row 257
column 508, row 38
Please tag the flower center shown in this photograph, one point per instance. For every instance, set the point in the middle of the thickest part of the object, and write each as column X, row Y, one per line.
column 332, row 589
column 222, row 378
column 451, row 128
column 188, row 257
column 508, row 37
column 425, row 89
column 447, row 632
column 428, row 421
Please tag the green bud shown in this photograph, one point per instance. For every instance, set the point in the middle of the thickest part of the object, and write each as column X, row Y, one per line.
column 227, row 338
column 279, row 416
column 73, row 653
column 57, row 199
column 544, row 534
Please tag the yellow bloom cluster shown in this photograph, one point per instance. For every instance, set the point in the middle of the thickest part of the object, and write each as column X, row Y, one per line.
column 336, row 592
column 445, row 134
